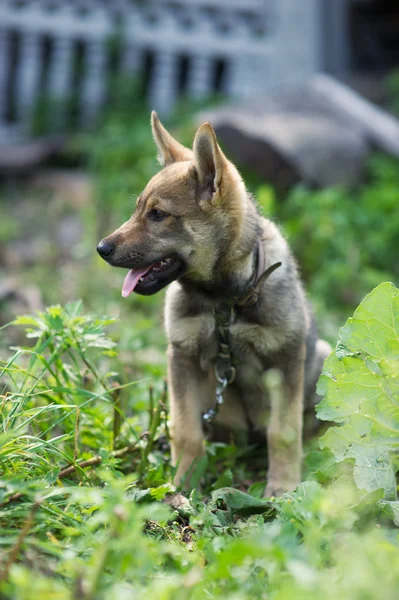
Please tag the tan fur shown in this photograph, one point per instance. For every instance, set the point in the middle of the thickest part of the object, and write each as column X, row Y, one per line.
column 214, row 226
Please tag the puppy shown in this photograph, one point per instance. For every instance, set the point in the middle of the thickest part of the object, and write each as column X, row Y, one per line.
column 235, row 307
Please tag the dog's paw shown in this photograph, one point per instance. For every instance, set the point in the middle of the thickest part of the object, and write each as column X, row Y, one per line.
column 278, row 488
column 176, row 501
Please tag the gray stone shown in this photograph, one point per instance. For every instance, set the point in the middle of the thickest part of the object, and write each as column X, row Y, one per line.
column 320, row 132
column 25, row 157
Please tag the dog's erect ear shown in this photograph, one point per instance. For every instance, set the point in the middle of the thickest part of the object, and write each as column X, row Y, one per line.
column 209, row 160
column 169, row 149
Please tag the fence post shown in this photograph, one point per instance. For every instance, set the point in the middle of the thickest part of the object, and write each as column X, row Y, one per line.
column 4, row 63
column 200, row 76
column 28, row 73
column 93, row 89
column 60, row 76
column 132, row 59
column 163, row 84
column 238, row 68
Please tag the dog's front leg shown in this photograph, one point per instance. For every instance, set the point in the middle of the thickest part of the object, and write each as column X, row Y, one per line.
column 188, row 393
column 284, row 434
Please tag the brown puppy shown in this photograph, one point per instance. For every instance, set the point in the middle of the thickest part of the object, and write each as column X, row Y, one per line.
column 195, row 224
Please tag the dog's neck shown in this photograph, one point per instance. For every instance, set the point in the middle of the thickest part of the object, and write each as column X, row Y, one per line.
column 235, row 267
column 227, row 284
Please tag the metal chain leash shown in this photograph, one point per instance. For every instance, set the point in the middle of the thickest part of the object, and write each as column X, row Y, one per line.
column 211, row 414
column 224, row 370
column 225, row 316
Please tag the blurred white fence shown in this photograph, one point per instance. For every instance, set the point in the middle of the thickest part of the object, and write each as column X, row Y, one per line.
column 195, row 47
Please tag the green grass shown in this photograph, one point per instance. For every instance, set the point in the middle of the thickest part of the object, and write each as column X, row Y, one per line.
column 85, row 472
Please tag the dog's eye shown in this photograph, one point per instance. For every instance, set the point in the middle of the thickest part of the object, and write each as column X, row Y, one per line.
column 157, row 215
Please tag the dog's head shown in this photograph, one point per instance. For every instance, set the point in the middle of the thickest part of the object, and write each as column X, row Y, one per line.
column 185, row 219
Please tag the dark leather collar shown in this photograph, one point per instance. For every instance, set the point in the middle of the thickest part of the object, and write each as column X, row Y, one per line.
column 251, row 295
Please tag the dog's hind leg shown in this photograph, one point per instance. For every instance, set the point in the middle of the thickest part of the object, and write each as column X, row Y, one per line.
column 323, row 350
column 284, row 433
column 189, row 393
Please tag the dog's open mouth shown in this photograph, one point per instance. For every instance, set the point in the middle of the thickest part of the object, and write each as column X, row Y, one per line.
column 151, row 279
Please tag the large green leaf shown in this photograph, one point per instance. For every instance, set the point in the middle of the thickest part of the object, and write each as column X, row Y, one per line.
column 237, row 502
column 391, row 508
column 360, row 389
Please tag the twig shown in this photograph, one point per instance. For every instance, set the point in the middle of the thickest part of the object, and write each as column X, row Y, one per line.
column 12, row 498
column 93, row 461
column 151, row 404
column 97, row 460
column 90, row 462
column 76, row 440
column 116, row 397
column 127, row 449
column 13, row 555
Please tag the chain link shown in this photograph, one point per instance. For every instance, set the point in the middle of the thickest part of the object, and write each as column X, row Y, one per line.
column 210, row 414
column 225, row 373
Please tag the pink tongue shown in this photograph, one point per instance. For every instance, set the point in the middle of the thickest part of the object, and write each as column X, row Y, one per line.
column 132, row 279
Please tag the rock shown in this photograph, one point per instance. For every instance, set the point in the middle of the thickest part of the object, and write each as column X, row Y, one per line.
column 26, row 156
column 380, row 128
column 319, row 132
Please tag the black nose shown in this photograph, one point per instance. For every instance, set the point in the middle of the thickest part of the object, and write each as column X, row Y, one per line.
column 105, row 249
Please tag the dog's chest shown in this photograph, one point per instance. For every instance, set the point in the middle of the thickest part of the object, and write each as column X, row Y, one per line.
column 199, row 337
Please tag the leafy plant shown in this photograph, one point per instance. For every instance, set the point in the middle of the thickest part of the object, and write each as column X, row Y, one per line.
column 361, row 392
column 66, row 409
